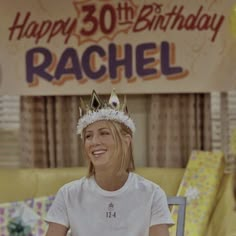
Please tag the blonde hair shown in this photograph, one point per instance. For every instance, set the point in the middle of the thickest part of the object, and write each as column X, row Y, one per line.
column 118, row 132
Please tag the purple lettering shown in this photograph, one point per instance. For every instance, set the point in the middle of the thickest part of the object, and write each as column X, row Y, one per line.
column 68, row 57
column 165, row 61
column 115, row 60
column 41, row 69
column 92, row 74
column 142, row 61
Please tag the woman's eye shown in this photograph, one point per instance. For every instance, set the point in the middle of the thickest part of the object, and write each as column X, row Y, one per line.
column 105, row 133
column 87, row 136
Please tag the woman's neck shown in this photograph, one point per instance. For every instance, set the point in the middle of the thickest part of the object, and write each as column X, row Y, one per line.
column 110, row 181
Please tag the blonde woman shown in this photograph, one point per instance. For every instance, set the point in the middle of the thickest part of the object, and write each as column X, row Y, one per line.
column 111, row 200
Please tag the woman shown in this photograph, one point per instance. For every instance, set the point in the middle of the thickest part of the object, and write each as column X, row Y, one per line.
column 111, row 200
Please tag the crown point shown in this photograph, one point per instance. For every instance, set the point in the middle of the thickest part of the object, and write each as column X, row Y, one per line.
column 124, row 106
column 96, row 103
column 114, row 100
column 82, row 108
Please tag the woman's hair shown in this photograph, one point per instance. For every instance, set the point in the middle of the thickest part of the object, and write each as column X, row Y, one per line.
column 118, row 131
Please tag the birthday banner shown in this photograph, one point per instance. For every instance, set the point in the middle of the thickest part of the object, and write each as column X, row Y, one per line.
column 62, row 47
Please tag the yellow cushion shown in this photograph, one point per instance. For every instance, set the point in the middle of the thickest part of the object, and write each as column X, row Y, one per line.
column 17, row 184
column 200, row 185
column 223, row 213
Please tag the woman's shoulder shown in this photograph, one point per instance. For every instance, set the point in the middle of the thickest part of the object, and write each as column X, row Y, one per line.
column 142, row 182
column 74, row 185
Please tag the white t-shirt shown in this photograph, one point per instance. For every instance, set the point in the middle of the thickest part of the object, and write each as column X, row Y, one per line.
column 89, row 210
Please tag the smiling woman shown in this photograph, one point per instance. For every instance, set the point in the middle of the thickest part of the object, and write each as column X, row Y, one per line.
column 111, row 199
column 108, row 144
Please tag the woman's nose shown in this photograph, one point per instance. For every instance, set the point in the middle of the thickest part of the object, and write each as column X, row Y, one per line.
column 96, row 140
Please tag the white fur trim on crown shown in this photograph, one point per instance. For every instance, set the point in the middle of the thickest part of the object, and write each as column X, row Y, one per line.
column 105, row 114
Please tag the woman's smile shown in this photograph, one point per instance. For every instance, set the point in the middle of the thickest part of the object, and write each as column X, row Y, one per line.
column 99, row 152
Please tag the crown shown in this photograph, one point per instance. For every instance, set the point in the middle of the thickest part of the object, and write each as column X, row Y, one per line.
column 100, row 110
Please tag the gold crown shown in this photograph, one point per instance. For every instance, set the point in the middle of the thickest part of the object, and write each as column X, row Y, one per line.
column 100, row 110
column 97, row 103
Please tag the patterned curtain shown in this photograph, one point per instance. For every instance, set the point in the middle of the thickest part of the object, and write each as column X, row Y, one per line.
column 178, row 124
column 48, row 131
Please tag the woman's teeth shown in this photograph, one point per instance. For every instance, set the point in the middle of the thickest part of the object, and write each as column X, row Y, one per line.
column 98, row 152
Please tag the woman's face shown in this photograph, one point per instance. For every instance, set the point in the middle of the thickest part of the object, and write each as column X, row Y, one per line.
column 99, row 144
